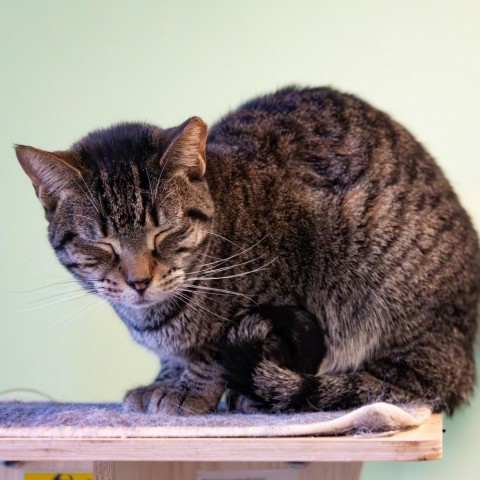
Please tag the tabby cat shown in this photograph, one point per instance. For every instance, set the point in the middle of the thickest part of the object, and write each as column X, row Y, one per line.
column 307, row 254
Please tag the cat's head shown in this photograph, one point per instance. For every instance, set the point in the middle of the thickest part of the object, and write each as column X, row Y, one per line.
column 128, row 208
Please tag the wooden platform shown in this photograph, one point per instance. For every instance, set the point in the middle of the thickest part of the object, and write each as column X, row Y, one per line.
column 183, row 458
column 422, row 443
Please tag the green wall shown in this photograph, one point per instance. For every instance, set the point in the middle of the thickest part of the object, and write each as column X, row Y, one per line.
column 70, row 66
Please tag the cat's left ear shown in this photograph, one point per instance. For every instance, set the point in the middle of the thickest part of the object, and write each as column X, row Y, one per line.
column 186, row 153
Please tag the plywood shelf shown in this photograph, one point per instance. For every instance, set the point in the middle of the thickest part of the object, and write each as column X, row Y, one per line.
column 422, row 443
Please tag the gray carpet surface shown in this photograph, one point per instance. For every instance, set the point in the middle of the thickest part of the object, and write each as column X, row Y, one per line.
column 50, row 419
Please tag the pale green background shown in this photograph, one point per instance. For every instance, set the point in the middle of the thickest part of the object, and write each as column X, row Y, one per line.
column 70, row 66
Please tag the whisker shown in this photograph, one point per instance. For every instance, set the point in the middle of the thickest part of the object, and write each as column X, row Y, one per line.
column 100, row 204
column 44, row 287
column 71, row 317
column 36, row 272
column 38, row 307
column 78, row 290
column 235, row 275
column 203, row 294
column 166, row 196
column 160, row 177
column 88, row 194
column 95, row 199
column 219, row 262
column 219, row 290
column 178, row 296
column 215, row 270
column 81, row 216
column 149, row 182
column 206, row 294
column 224, row 238
column 185, row 297
column 102, row 304
column 206, row 255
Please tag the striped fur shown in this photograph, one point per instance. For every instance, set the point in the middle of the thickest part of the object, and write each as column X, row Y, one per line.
column 320, row 261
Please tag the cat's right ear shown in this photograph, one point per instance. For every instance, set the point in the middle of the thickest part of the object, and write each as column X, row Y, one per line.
column 186, row 153
column 52, row 174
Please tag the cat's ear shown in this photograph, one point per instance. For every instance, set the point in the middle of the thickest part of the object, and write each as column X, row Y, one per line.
column 186, row 153
column 51, row 173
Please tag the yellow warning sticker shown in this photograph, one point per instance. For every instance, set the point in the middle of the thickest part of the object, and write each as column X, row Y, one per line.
column 58, row 476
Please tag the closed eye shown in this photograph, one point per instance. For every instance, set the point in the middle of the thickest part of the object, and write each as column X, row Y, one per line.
column 196, row 214
column 109, row 248
column 160, row 235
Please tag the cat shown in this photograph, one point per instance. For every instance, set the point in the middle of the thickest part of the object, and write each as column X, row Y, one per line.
column 307, row 253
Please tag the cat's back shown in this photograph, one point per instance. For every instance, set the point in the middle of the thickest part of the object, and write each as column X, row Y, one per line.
column 331, row 135
column 270, row 123
column 363, row 185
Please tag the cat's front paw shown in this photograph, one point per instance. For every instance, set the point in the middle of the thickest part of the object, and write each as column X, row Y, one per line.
column 161, row 398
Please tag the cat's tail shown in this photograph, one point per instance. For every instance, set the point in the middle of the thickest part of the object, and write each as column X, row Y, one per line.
column 261, row 360
column 271, row 357
column 280, row 389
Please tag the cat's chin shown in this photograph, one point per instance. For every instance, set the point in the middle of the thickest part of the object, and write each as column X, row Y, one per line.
column 142, row 303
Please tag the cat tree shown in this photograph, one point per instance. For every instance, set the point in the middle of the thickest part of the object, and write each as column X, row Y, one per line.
column 120, row 446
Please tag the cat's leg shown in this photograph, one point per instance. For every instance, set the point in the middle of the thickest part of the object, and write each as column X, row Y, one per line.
column 183, row 386
column 287, row 336
column 440, row 376
column 284, row 390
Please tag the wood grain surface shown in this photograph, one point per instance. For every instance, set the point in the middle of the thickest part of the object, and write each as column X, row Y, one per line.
column 422, row 443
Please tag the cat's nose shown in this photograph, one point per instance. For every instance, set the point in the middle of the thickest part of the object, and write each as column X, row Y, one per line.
column 140, row 285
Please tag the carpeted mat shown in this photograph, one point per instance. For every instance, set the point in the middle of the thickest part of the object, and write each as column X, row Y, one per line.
column 74, row 420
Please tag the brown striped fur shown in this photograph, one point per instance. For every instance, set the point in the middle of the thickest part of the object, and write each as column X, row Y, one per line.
column 334, row 224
